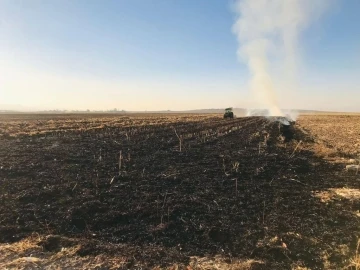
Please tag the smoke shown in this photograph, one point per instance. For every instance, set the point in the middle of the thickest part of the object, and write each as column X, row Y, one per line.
column 289, row 114
column 268, row 33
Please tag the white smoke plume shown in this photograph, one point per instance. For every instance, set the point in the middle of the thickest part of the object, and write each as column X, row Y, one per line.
column 268, row 33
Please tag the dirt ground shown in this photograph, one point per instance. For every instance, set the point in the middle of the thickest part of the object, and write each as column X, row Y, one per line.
column 178, row 192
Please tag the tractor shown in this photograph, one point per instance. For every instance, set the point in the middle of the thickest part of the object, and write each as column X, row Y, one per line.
column 228, row 113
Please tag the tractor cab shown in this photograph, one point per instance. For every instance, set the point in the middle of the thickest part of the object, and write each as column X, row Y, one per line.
column 228, row 113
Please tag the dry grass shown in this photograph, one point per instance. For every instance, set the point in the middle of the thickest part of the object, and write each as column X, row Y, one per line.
column 355, row 261
column 29, row 254
column 347, row 193
column 335, row 135
column 218, row 263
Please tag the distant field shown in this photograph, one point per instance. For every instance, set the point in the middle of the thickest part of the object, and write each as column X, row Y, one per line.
column 335, row 135
column 179, row 191
column 329, row 113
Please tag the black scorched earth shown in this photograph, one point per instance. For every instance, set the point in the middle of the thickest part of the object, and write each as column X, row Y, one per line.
column 162, row 192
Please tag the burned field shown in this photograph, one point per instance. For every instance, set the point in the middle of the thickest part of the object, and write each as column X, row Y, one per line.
column 170, row 190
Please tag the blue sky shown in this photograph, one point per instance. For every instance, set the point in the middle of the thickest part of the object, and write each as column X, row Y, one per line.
column 161, row 54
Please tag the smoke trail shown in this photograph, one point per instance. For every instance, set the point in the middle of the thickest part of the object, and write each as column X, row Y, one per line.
column 269, row 28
